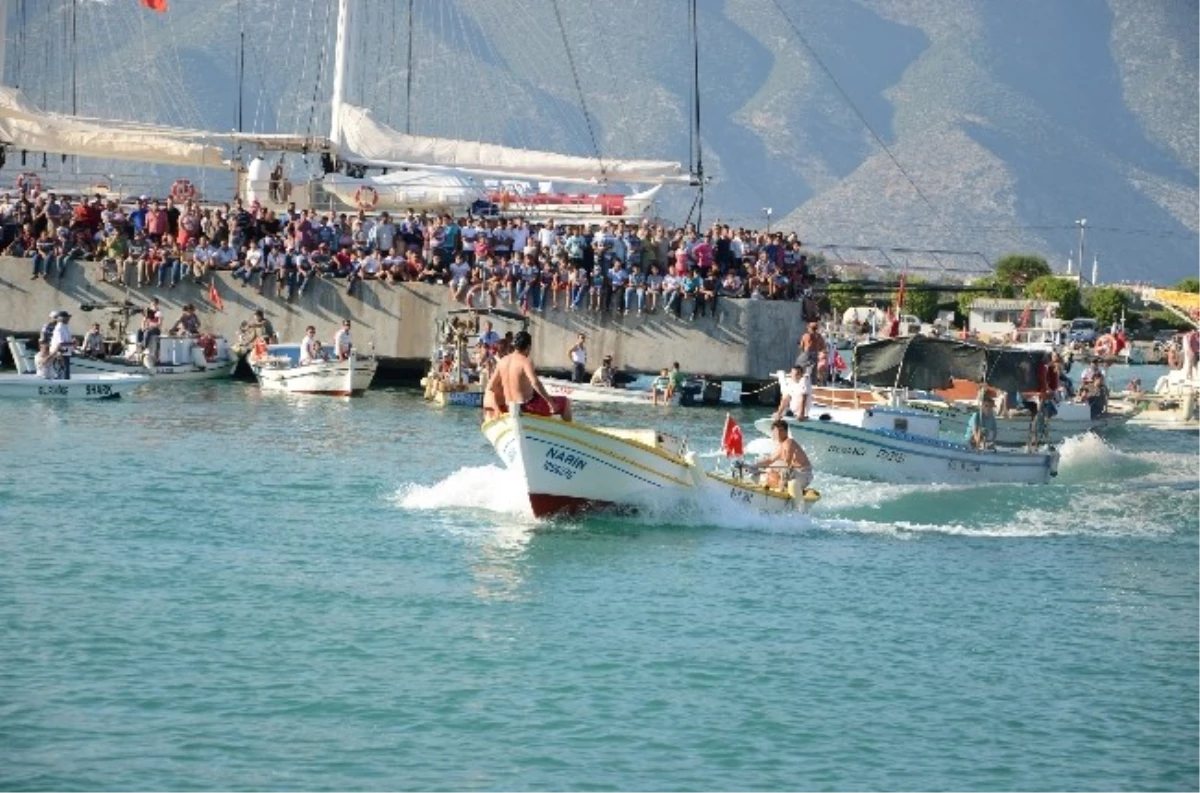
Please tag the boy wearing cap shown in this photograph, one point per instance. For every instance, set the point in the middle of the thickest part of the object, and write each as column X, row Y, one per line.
column 62, row 343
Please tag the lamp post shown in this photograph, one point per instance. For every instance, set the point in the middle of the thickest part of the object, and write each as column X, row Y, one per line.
column 767, row 211
column 1082, row 224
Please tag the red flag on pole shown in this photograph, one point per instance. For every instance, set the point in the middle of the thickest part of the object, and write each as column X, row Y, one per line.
column 214, row 297
column 155, row 5
column 731, row 438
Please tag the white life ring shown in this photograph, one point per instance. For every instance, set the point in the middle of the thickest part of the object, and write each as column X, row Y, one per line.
column 366, row 197
column 29, row 180
column 183, row 190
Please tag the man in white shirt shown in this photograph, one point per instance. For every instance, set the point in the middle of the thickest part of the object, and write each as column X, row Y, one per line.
column 62, row 343
column 341, row 341
column 547, row 235
column 310, row 348
column 578, row 355
column 795, row 394
column 383, row 235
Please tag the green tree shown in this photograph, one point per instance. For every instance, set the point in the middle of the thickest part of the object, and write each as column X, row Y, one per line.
column 1106, row 303
column 1188, row 285
column 922, row 303
column 1017, row 270
column 1065, row 292
column 843, row 296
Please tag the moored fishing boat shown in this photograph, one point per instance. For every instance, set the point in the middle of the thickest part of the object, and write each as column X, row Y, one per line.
column 603, row 394
column 26, row 384
column 281, row 370
column 568, row 468
column 1071, row 418
column 1174, row 404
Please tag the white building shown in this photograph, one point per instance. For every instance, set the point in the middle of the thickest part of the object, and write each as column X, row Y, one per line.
column 996, row 317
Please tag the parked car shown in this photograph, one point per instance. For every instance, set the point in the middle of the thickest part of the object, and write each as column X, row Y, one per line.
column 1082, row 331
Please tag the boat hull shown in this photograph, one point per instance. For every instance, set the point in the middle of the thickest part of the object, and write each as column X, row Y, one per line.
column 93, row 386
column 897, row 457
column 174, row 373
column 329, row 378
column 585, row 392
column 570, row 468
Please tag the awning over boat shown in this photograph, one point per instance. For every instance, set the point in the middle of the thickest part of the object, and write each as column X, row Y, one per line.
column 926, row 363
column 364, row 137
column 25, row 127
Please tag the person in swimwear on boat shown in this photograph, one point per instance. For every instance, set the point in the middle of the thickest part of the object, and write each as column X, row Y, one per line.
column 516, row 382
column 787, row 462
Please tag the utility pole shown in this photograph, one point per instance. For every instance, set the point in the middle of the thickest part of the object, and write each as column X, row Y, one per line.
column 1082, row 224
column 767, row 211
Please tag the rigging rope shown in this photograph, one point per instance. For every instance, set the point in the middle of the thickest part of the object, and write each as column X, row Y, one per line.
column 320, row 67
column 575, row 75
column 409, row 75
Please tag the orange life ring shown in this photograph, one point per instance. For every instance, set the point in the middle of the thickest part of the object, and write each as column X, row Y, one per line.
column 366, row 197
column 29, row 180
column 183, row 190
column 1105, row 345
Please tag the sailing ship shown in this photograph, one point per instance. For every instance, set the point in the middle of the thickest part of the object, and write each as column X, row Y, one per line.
column 365, row 163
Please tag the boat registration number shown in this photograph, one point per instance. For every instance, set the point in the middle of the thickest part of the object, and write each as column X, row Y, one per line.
column 52, row 390
column 99, row 390
column 964, row 465
column 562, row 463
column 737, row 494
column 891, row 456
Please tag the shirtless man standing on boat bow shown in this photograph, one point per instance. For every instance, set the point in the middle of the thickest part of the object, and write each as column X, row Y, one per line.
column 516, row 382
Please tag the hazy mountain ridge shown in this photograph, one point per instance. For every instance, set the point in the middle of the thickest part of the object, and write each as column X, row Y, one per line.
column 1013, row 119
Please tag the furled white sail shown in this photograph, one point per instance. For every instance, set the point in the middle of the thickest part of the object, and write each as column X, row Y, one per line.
column 25, row 127
column 366, row 138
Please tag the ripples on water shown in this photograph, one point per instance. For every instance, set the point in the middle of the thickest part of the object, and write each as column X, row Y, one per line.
column 211, row 587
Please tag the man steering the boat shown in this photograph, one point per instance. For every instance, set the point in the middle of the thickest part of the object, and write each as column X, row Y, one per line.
column 787, row 463
column 516, row 382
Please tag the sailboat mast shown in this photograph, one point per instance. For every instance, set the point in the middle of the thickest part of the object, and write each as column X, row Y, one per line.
column 339, row 72
column 3, row 36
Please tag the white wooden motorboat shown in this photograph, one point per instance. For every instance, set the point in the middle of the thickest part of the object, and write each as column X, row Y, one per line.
column 901, row 446
column 454, row 376
column 601, row 394
column 570, row 468
column 281, row 370
column 1174, row 404
column 179, row 358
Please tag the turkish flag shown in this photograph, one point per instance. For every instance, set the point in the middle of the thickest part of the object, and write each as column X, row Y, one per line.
column 155, row 5
column 214, row 297
column 839, row 362
column 731, row 438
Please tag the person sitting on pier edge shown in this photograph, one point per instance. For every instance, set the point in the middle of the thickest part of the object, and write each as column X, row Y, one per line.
column 604, row 375
column 981, row 426
column 514, row 382
column 787, row 462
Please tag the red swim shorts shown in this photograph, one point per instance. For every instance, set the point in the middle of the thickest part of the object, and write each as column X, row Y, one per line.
column 538, row 407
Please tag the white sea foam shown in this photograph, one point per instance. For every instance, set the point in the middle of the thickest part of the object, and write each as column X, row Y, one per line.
column 487, row 487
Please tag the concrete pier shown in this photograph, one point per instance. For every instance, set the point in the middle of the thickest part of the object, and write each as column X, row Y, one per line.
column 746, row 341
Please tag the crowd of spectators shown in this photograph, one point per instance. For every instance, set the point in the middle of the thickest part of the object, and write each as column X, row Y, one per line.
column 612, row 267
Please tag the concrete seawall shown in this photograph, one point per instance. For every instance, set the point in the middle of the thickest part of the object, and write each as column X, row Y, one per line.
column 747, row 340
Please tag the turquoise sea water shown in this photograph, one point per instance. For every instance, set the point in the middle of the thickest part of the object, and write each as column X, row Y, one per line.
column 206, row 587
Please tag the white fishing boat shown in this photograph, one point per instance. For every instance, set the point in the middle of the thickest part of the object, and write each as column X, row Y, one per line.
column 91, row 386
column 602, row 394
column 180, row 358
column 570, row 468
column 1174, row 404
column 26, row 384
column 281, row 370
column 901, row 446
column 455, row 377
